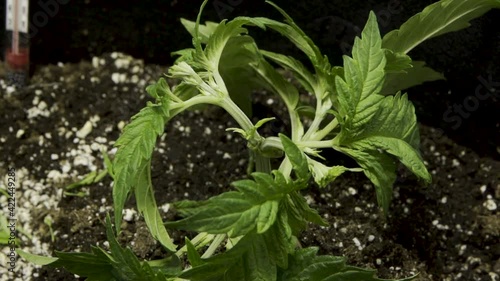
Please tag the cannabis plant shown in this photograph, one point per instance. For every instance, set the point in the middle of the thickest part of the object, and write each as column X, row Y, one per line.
column 252, row 231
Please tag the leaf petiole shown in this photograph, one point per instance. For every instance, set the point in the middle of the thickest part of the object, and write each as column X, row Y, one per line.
column 219, row 238
column 319, row 135
column 198, row 241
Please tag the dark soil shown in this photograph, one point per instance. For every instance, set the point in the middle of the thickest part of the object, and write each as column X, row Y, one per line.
column 446, row 231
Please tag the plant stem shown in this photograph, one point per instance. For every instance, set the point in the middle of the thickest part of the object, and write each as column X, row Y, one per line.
column 318, row 117
column 294, row 123
column 286, row 167
column 219, row 238
column 272, row 142
column 199, row 240
column 316, row 144
column 326, row 130
column 200, row 99
column 262, row 164
column 314, row 127
column 275, row 142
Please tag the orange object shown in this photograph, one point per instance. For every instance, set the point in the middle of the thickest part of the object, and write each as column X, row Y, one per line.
column 19, row 61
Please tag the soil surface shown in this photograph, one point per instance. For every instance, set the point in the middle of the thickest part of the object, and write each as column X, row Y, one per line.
column 53, row 132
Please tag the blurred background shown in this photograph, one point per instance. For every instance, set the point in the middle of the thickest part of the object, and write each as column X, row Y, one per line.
column 75, row 30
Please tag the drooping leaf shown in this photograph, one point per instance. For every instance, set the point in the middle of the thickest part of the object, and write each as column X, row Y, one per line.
column 204, row 30
column 380, row 168
column 436, row 19
column 253, row 207
column 276, row 83
column 325, row 74
column 299, row 213
column 279, row 239
column 397, row 62
column 135, row 147
column 36, row 259
column 236, row 71
column 249, row 260
column 299, row 71
column 146, row 205
column 323, row 175
column 95, row 265
column 305, row 264
column 118, row 265
column 126, row 265
column 374, row 126
column 414, row 76
column 394, row 130
column 90, row 178
column 292, row 31
column 108, row 164
column 220, row 37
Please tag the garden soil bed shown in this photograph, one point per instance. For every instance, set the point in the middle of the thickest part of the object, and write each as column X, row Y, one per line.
column 54, row 131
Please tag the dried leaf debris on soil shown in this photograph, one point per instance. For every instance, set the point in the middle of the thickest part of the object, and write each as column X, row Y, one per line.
column 56, row 130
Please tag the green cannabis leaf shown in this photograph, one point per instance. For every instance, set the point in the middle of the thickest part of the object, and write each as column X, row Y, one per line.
column 297, row 158
column 364, row 77
column 204, row 30
column 396, row 62
column 416, row 75
column 306, row 78
column 234, row 66
column 253, row 207
column 120, row 264
column 249, row 260
column 278, row 84
column 238, row 75
column 373, row 125
column 392, row 131
column 135, row 147
column 305, row 264
column 323, row 175
column 436, row 19
column 146, row 204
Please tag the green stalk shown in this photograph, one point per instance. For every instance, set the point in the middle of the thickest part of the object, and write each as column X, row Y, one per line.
column 198, row 241
column 318, row 117
column 294, row 119
column 314, row 126
column 286, row 167
column 262, row 164
column 177, row 108
column 316, row 144
column 219, row 238
column 274, row 142
column 319, row 135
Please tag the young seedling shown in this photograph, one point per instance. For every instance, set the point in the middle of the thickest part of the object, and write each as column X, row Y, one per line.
column 252, row 230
